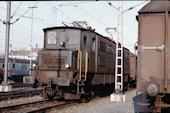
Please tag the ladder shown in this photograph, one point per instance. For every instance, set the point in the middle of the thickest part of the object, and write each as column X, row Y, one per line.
column 82, row 77
column 119, row 51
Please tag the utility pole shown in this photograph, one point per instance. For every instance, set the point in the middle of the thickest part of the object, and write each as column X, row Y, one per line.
column 5, row 86
column 31, row 39
column 118, row 94
column 119, row 51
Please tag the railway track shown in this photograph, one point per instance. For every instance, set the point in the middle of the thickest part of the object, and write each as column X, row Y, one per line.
column 19, row 93
column 37, row 106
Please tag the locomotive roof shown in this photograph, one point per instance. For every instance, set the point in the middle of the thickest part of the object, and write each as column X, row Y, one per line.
column 83, row 29
column 156, row 6
column 78, row 28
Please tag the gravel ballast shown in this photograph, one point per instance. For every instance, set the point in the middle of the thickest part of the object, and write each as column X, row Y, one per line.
column 104, row 105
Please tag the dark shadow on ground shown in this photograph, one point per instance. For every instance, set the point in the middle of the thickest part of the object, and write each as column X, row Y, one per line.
column 137, row 108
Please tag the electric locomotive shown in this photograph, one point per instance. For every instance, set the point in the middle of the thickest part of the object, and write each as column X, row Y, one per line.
column 75, row 62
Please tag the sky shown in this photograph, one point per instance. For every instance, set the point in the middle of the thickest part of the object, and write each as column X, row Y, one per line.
column 98, row 14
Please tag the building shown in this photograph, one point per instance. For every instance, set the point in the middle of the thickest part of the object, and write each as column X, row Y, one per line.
column 24, row 54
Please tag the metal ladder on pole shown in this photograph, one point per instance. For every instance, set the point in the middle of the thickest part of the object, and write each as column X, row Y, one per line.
column 119, row 51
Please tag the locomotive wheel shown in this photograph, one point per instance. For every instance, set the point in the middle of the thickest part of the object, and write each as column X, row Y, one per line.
column 92, row 94
column 50, row 97
column 85, row 98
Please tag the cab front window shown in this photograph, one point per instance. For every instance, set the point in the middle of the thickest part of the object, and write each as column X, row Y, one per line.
column 51, row 37
column 73, row 37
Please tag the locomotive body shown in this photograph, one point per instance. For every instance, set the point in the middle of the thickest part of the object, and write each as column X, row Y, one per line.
column 77, row 61
column 153, row 52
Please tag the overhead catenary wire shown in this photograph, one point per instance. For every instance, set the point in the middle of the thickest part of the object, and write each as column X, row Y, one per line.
column 22, row 37
column 60, row 11
column 109, row 3
column 46, row 23
column 71, row 4
column 25, row 13
column 16, row 9
column 22, row 24
column 112, row 5
column 91, row 16
column 133, row 7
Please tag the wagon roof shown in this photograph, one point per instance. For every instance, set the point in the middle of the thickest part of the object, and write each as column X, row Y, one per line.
column 17, row 60
column 156, row 6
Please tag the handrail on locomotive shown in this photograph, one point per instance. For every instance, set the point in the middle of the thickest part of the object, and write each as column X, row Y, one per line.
column 79, row 65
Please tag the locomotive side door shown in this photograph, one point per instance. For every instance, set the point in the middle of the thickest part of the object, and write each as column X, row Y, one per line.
column 84, row 47
column 92, row 52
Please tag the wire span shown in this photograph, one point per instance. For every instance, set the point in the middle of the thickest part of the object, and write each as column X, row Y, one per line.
column 16, row 10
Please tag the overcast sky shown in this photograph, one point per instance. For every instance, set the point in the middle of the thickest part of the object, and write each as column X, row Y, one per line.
column 98, row 14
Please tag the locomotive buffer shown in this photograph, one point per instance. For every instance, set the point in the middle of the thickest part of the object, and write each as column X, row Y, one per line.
column 118, row 95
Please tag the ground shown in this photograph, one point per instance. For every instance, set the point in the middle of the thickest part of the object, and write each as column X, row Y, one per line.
column 104, row 105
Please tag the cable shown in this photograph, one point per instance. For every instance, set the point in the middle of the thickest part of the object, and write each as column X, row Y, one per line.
column 34, row 16
column 16, row 10
column 24, row 36
column 92, row 17
column 108, row 8
column 24, row 13
column 112, row 5
column 133, row 7
column 61, row 12
column 2, row 21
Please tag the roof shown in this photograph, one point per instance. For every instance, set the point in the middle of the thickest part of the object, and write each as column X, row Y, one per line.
column 156, row 6
column 26, row 61
column 78, row 28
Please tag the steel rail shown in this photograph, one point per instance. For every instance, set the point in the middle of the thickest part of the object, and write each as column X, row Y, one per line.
column 43, row 109
column 17, row 106
column 19, row 93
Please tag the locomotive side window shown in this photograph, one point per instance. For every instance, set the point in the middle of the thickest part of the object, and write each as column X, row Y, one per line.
column 102, row 46
column 84, row 40
column 110, row 49
column 73, row 37
column 51, row 37
column 93, row 44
